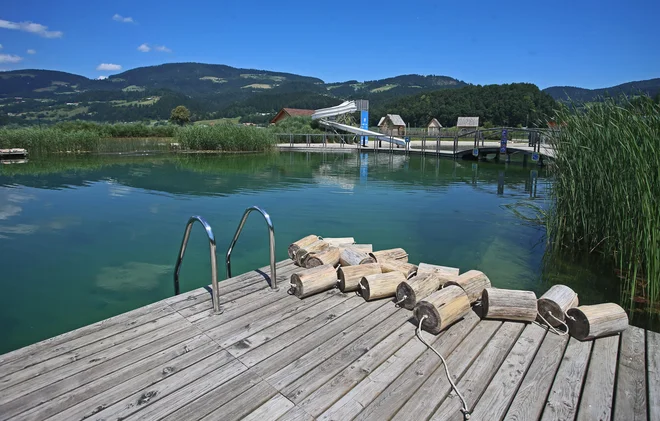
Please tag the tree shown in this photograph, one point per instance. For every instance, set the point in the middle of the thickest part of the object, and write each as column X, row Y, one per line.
column 180, row 115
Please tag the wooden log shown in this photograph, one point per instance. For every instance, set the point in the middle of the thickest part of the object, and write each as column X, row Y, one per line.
column 329, row 256
column 442, row 308
column 473, row 283
column 350, row 276
column 508, row 304
column 407, row 269
column 380, row 285
column 312, row 281
column 410, row 292
column 301, row 253
column 390, row 254
column 336, row 242
column 303, row 242
column 591, row 322
column 367, row 248
column 352, row 257
column 446, row 273
column 556, row 301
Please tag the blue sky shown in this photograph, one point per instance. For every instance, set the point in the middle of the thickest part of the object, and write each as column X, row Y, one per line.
column 584, row 43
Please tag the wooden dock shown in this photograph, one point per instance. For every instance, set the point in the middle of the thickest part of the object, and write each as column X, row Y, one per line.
column 331, row 356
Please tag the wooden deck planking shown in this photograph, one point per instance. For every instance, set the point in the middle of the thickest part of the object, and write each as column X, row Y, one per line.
column 562, row 402
column 598, row 391
column 630, row 403
column 270, row 355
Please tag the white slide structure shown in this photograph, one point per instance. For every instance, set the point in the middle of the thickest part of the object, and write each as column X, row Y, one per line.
column 349, row 107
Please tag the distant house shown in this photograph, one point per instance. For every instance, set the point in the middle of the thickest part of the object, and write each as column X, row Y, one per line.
column 433, row 127
column 290, row 112
column 467, row 122
column 392, row 123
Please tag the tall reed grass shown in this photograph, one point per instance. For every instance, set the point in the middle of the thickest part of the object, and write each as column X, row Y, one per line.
column 225, row 137
column 40, row 140
column 607, row 188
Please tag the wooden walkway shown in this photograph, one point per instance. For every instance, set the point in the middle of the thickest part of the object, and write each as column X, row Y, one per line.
column 332, row 356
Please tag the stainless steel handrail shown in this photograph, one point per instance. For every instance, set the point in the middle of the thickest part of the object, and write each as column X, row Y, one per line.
column 271, row 233
column 214, row 264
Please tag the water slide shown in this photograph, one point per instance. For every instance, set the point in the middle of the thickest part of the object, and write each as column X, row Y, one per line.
column 349, row 107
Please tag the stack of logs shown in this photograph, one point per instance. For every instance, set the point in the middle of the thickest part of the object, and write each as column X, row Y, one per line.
column 439, row 295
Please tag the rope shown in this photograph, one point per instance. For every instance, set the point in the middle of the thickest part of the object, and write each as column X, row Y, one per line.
column 464, row 410
column 291, row 290
column 551, row 327
column 400, row 301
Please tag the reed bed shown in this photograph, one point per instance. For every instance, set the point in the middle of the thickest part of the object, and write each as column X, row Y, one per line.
column 46, row 140
column 607, row 189
column 225, row 137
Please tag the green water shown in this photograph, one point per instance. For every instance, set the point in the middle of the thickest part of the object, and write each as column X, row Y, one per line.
column 85, row 238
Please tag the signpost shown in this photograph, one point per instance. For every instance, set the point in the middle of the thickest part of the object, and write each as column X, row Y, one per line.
column 535, row 156
column 364, row 124
column 475, row 152
column 503, row 142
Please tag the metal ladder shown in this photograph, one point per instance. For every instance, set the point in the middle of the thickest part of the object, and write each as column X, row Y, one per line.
column 212, row 245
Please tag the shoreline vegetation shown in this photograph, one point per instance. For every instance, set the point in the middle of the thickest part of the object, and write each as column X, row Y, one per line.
column 606, row 190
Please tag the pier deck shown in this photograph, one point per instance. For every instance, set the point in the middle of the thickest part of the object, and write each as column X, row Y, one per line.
column 331, row 356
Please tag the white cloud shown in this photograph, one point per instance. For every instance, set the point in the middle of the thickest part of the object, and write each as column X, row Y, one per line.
column 34, row 28
column 108, row 66
column 9, row 58
column 144, row 48
column 102, row 77
column 31, row 51
column 162, row 49
column 119, row 18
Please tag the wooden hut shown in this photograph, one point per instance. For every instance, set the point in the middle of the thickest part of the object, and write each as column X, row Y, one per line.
column 467, row 122
column 290, row 112
column 433, row 128
column 392, row 123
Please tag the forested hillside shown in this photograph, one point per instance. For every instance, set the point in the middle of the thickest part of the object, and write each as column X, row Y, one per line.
column 498, row 105
column 649, row 87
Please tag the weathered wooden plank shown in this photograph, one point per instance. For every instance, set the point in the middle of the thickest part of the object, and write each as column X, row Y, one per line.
column 495, row 400
column 68, row 343
column 406, row 385
column 631, row 377
column 26, row 382
column 191, row 364
column 360, row 396
column 565, row 392
column 305, row 344
column 277, row 406
column 530, row 399
column 164, row 404
column 105, row 375
column 93, row 332
column 598, row 391
column 478, row 376
column 203, row 405
column 653, row 373
column 242, row 326
column 339, row 385
column 239, row 407
column 258, row 354
column 334, row 355
column 203, row 309
column 296, row 414
column 436, row 387
column 164, row 397
column 259, row 338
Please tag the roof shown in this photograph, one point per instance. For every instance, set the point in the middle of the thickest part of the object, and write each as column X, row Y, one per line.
column 295, row 112
column 434, row 123
column 468, row 122
column 291, row 112
column 395, row 119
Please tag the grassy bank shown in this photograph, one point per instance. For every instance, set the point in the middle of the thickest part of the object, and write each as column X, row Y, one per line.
column 607, row 189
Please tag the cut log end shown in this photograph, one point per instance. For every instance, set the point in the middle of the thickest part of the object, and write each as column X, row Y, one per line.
column 430, row 317
column 595, row 321
column 405, row 296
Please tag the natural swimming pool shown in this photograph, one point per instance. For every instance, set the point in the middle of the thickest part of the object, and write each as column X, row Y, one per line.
column 83, row 238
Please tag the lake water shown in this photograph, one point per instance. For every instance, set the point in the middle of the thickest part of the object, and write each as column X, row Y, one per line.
column 86, row 238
